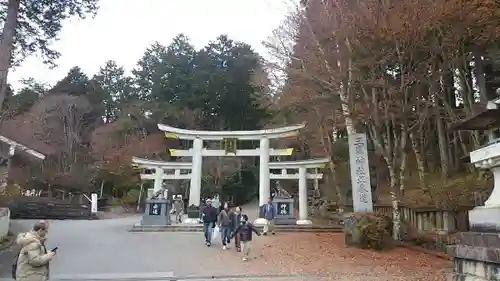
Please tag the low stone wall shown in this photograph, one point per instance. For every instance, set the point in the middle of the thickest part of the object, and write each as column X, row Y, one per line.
column 4, row 222
column 428, row 219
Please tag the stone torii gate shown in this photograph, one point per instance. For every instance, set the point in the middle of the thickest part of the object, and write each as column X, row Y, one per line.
column 302, row 176
column 157, row 211
column 198, row 151
column 162, row 171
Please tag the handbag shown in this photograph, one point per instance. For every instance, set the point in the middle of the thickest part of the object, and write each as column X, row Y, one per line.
column 215, row 232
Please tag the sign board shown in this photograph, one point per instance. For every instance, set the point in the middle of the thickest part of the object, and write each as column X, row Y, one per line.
column 154, row 209
column 283, row 209
column 93, row 203
column 360, row 173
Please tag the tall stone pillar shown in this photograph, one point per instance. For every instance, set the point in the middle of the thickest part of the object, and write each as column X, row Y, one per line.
column 264, row 185
column 196, row 173
column 264, row 189
column 303, row 216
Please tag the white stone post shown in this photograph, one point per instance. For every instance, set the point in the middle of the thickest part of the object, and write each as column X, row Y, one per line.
column 486, row 218
column 264, row 189
column 195, row 186
column 93, row 203
column 158, row 181
column 303, row 197
column 494, row 199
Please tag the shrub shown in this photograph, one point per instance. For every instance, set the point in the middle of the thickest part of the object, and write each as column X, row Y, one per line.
column 368, row 231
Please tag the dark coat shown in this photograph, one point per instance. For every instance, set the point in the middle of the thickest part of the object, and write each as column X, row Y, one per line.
column 245, row 231
column 235, row 220
column 209, row 214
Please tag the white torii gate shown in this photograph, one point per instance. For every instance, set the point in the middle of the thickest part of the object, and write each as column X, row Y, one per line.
column 197, row 152
column 302, row 176
column 160, row 167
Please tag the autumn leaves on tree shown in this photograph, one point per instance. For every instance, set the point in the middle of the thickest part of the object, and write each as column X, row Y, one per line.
column 399, row 71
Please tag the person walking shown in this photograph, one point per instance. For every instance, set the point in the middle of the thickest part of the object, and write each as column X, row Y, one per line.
column 178, row 210
column 224, row 220
column 235, row 222
column 209, row 218
column 245, row 230
column 269, row 215
column 33, row 260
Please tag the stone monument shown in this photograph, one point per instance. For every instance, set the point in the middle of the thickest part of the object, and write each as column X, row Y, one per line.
column 360, row 173
column 476, row 256
column 283, row 204
column 157, row 211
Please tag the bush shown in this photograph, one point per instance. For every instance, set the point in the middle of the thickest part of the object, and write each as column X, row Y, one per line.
column 368, row 231
column 11, row 192
column 131, row 197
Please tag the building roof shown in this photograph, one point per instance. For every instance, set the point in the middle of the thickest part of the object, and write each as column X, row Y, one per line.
column 486, row 119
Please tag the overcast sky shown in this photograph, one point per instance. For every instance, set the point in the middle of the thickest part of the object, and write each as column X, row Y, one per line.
column 123, row 29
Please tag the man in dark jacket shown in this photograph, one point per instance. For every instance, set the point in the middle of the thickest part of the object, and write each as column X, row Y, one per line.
column 224, row 220
column 269, row 215
column 245, row 230
column 235, row 222
column 209, row 217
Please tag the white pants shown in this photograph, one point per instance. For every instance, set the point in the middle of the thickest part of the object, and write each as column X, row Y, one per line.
column 245, row 248
column 269, row 226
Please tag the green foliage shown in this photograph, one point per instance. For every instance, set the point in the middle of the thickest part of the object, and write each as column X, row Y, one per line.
column 131, row 197
column 208, row 188
column 372, row 231
column 216, row 81
column 242, row 185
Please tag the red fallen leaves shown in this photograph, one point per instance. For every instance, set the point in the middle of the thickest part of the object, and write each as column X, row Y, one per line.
column 326, row 254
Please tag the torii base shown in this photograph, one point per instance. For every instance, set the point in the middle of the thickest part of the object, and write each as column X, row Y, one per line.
column 191, row 221
column 260, row 221
column 304, row 222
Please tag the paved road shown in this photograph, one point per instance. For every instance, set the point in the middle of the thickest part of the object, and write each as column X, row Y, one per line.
column 105, row 248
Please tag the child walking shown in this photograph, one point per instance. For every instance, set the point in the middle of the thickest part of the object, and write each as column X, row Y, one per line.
column 244, row 230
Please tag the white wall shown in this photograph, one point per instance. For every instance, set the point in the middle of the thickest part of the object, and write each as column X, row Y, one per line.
column 4, row 221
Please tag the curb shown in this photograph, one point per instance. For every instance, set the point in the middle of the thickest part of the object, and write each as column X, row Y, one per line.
column 426, row 251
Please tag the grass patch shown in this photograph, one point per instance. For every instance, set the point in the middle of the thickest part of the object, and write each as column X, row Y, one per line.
column 6, row 240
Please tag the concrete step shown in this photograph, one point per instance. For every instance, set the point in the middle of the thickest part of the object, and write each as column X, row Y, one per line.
column 199, row 228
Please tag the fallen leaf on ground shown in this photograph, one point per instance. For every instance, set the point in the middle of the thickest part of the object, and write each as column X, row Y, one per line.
column 326, row 254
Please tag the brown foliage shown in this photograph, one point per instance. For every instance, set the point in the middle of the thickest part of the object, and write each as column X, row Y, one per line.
column 325, row 254
column 113, row 149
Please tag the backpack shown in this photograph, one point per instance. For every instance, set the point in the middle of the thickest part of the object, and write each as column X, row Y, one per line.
column 14, row 265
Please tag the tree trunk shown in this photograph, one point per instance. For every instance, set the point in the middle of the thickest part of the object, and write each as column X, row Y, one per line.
column 443, row 147
column 396, row 218
column 6, row 45
column 420, row 164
